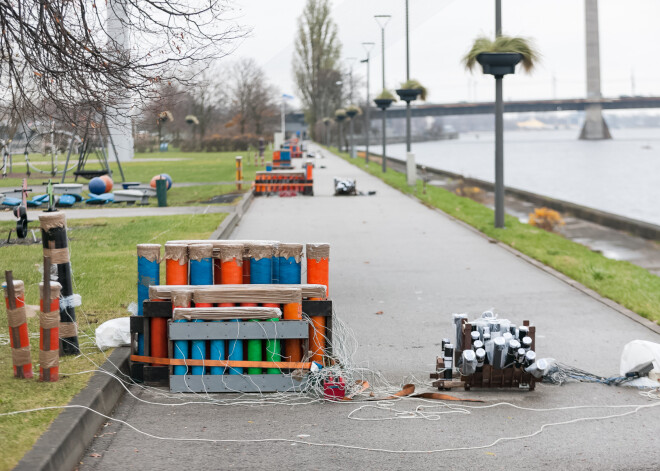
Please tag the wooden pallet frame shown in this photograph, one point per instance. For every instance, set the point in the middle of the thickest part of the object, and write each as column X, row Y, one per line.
column 158, row 375
column 488, row 377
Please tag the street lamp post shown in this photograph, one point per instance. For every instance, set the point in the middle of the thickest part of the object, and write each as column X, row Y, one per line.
column 349, row 111
column 499, row 131
column 382, row 21
column 367, row 119
column 408, row 95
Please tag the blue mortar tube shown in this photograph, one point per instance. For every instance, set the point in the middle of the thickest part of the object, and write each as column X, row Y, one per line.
column 201, row 273
column 148, row 275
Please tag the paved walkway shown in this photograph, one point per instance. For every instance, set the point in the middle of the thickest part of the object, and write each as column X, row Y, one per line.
column 391, row 254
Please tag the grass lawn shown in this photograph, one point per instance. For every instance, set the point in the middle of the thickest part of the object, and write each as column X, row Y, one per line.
column 623, row 282
column 104, row 264
column 190, row 167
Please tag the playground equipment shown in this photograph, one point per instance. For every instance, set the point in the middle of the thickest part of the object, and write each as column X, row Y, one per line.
column 43, row 151
column 161, row 176
column 94, row 143
column 20, row 212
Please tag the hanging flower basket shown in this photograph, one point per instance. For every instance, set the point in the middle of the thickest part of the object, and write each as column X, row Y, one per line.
column 408, row 94
column 499, row 63
column 383, row 103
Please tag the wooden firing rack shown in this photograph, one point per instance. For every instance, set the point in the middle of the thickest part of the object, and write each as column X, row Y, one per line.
column 161, row 375
column 488, row 377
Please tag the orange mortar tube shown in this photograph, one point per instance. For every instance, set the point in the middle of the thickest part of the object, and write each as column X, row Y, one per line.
column 176, row 273
column 232, row 273
column 318, row 256
column 292, row 347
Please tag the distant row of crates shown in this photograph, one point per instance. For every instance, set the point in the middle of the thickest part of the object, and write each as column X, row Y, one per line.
column 291, row 149
column 277, row 181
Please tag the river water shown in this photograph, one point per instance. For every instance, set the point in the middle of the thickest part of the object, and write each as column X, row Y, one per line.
column 620, row 176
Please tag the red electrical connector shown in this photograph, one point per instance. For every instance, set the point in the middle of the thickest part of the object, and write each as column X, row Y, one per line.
column 334, row 389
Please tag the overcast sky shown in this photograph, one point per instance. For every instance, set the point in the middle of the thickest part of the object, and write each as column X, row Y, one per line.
column 441, row 32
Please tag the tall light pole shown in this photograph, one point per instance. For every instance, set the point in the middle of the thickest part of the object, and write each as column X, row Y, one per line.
column 367, row 119
column 382, row 21
column 408, row 94
column 350, row 111
column 499, row 131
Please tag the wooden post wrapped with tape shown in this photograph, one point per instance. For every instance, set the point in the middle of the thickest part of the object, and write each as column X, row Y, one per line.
column 56, row 246
column 318, row 257
column 19, row 338
column 49, row 322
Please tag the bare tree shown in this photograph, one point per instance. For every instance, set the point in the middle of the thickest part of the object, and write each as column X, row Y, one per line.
column 207, row 97
column 252, row 97
column 262, row 107
column 59, row 55
column 316, row 61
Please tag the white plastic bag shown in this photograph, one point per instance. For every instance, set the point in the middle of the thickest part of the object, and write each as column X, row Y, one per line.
column 114, row 333
column 635, row 355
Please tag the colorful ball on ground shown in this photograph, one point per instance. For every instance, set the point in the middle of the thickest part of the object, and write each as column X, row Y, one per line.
column 108, row 183
column 168, row 178
column 162, row 176
column 97, row 186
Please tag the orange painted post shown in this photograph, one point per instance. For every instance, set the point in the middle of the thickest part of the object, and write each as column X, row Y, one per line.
column 318, row 256
column 239, row 172
column 309, row 172
column 49, row 323
column 19, row 338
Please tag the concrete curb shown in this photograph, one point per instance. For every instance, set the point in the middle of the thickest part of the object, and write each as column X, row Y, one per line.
column 230, row 222
column 642, row 229
column 65, row 441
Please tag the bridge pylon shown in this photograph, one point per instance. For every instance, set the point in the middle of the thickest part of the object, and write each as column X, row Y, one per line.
column 595, row 126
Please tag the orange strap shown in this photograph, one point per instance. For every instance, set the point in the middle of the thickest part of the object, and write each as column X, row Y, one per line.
column 409, row 389
column 227, row 363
